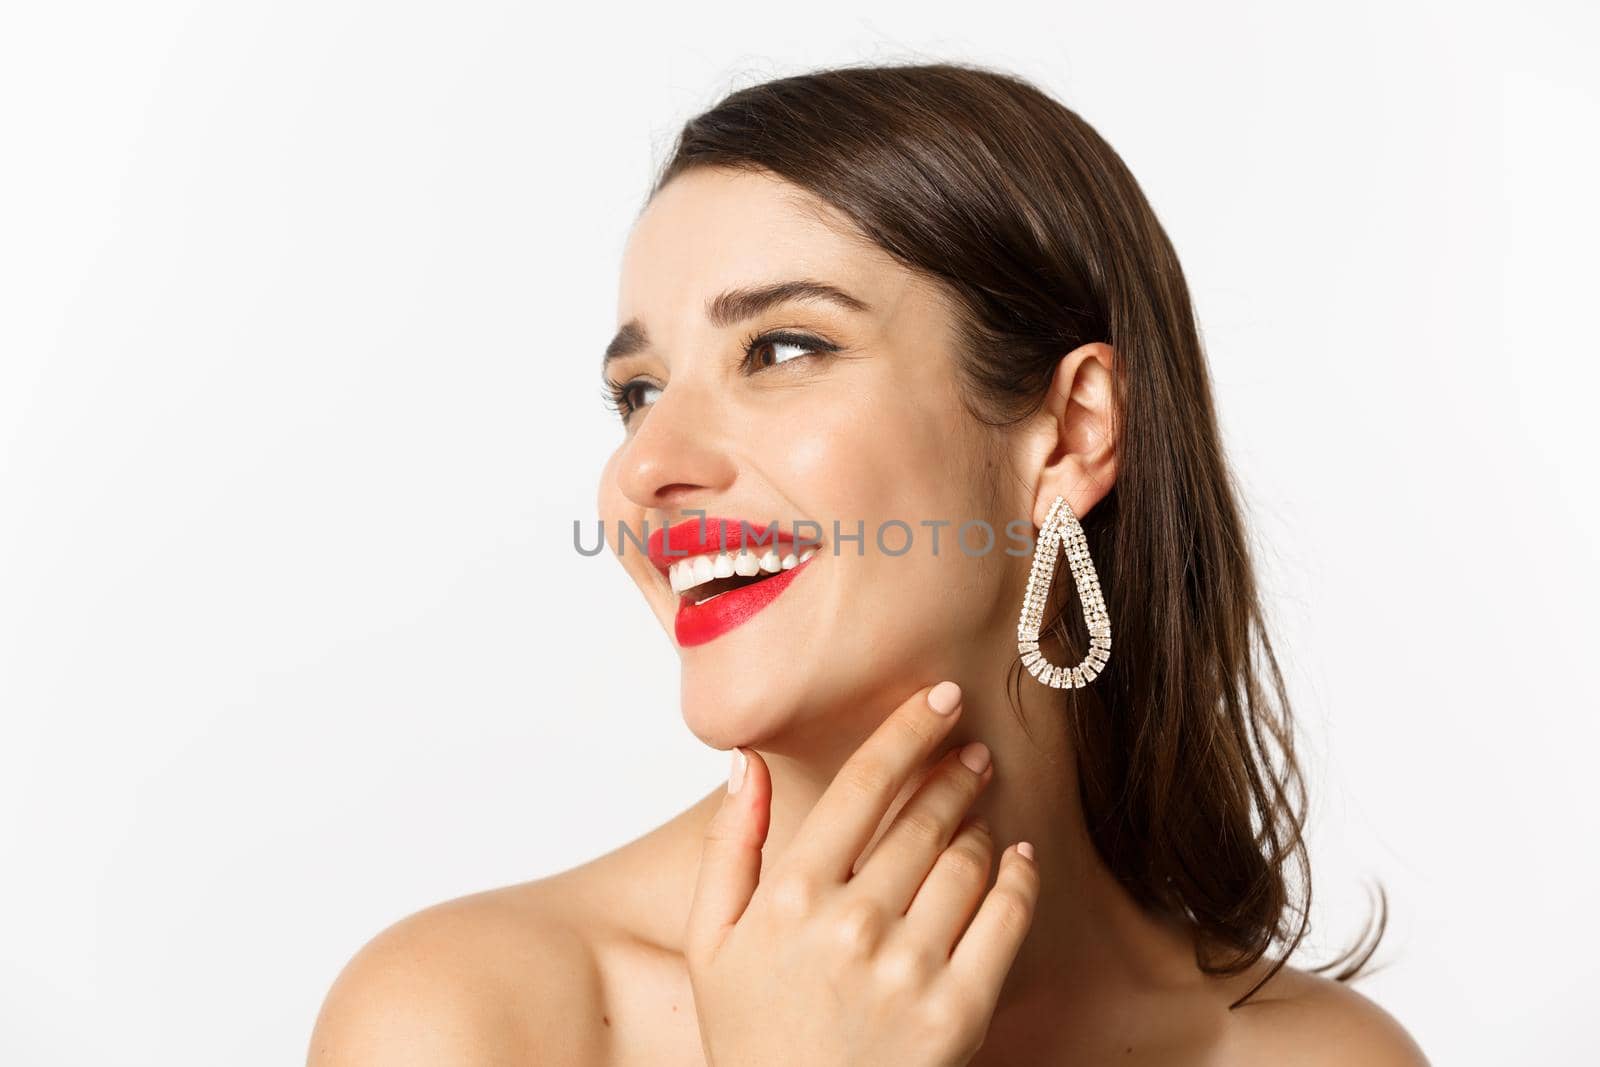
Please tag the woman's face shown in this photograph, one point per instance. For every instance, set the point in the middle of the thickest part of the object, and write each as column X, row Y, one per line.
column 853, row 415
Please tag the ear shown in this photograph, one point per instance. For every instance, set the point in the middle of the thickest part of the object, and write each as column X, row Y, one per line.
column 1070, row 446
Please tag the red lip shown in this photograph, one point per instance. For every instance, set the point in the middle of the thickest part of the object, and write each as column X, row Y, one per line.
column 695, row 624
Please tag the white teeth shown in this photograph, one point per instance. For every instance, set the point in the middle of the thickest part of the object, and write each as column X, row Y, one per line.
column 698, row 570
column 807, row 554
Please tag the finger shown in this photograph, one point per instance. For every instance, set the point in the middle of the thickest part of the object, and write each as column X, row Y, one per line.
column 916, row 782
column 949, row 895
column 986, row 951
column 730, row 855
column 923, row 827
column 844, row 819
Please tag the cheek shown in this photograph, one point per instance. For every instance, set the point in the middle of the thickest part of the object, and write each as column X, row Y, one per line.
column 874, row 458
column 911, row 474
column 611, row 504
column 615, row 512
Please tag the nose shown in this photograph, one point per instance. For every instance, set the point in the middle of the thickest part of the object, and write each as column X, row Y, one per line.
column 678, row 457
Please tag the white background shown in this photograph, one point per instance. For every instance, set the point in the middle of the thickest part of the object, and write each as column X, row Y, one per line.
column 301, row 309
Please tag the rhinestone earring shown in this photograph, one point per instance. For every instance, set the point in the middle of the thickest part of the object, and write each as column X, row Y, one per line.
column 1062, row 531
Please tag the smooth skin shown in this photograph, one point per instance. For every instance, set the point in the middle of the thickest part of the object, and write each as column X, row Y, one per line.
column 832, row 959
column 630, row 958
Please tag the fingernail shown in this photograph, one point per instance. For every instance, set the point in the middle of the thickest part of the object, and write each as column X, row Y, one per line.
column 976, row 756
column 944, row 697
column 1025, row 848
column 736, row 772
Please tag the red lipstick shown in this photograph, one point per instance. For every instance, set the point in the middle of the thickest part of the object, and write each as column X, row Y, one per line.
column 696, row 624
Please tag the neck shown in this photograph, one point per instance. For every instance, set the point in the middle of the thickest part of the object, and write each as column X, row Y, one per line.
column 1089, row 940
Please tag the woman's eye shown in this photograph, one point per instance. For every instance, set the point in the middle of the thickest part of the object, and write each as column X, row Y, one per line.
column 760, row 352
column 771, row 353
column 771, row 349
column 627, row 398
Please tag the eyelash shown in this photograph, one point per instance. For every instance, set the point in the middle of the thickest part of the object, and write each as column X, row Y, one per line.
column 618, row 395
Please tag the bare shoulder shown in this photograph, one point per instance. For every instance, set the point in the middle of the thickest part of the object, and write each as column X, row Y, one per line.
column 1301, row 1018
column 569, row 969
column 499, row 977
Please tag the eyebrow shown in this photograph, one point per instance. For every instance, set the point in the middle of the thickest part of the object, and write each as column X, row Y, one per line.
column 737, row 305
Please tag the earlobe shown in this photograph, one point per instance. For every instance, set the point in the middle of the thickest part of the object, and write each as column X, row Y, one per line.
column 1068, row 481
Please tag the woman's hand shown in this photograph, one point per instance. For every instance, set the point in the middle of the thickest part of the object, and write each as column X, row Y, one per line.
column 815, row 965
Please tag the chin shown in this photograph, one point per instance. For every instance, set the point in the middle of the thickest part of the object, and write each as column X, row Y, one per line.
column 727, row 705
column 778, row 699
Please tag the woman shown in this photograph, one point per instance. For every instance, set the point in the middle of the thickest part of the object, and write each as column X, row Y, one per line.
column 864, row 308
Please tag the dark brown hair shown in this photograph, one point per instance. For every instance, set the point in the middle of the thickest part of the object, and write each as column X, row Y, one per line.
column 1043, row 241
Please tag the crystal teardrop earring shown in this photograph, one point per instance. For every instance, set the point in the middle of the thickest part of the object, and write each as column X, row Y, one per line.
column 1061, row 531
